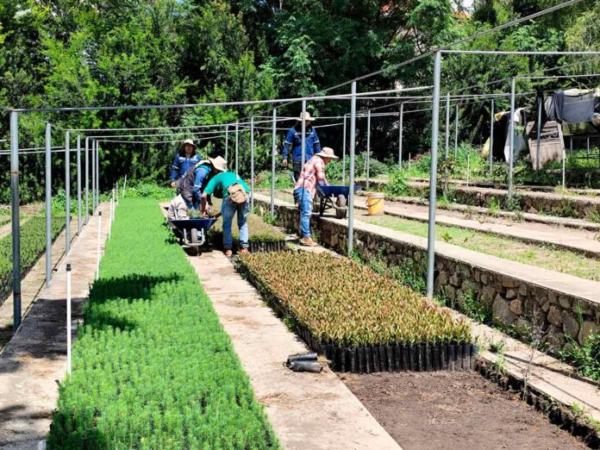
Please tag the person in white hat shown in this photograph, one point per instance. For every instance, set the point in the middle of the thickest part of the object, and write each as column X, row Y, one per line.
column 293, row 141
column 185, row 158
column 192, row 184
column 313, row 173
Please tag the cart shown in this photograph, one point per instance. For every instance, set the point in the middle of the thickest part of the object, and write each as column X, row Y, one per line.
column 336, row 197
column 192, row 232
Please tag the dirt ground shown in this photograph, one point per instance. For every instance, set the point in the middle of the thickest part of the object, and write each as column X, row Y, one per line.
column 458, row 410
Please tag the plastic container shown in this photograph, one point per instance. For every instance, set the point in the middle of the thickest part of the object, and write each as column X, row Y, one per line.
column 375, row 203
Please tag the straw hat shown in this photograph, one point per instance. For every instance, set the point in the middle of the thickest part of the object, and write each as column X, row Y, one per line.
column 188, row 142
column 327, row 152
column 306, row 116
column 218, row 163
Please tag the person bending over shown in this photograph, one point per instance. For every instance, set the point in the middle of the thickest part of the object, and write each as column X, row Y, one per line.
column 236, row 195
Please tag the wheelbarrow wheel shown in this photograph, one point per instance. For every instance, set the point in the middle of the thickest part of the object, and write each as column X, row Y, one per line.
column 195, row 250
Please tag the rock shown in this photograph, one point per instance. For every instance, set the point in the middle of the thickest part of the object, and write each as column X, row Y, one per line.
column 484, row 278
column 510, row 294
column 442, row 279
column 450, row 292
column 570, row 324
column 554, row 337
column 455, row 280
column 487, row 295
column 554, row 316
column 545, row 305
column 523, row 289
column 522, row 326
column 501, row 311
column 508, row 282
column 587, row 328
column 552, row 298
column 516, row 306
column 476, row 275
column 564, row 301
column 469, row 286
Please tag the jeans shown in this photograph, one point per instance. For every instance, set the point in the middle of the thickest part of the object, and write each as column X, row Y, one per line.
column 305, row 205
column 228, row 209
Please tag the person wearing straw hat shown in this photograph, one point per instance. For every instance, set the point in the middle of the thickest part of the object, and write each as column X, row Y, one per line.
column 313, row 173
column 293, row 140
column 192, row 184
column 185, row 158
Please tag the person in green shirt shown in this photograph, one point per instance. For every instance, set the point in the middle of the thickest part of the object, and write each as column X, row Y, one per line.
column 235, row 194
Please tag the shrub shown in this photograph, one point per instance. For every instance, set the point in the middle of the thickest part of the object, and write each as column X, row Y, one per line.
column 348, row 304
column 397, row 185
column 586, row 358
column 152, row 366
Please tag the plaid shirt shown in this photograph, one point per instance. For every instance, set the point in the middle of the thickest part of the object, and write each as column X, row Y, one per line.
column 313, row 172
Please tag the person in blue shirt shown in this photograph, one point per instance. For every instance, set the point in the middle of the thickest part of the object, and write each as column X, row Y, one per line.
column 294, row 140
column 186, row 157
column 192, row 184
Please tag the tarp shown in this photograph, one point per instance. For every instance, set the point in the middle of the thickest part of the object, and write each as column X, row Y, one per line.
column 551, row 143
column 500, row 151
column 572, row 106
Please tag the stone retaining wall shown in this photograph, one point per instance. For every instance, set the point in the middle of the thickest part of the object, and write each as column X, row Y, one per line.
column 529, row 311
column 530, row 202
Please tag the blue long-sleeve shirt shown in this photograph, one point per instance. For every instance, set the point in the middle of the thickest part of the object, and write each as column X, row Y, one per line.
column 294, row 140
column 181, row 164
column 201, row 175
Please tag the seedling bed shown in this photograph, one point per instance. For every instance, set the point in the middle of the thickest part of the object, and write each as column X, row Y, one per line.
column 369, row 357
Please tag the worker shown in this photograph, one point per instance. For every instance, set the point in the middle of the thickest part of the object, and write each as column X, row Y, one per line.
column 235, row 194
column 294, row 140
column 191, row 185
column 186, row 157
column 313, row 173
column 178, row 209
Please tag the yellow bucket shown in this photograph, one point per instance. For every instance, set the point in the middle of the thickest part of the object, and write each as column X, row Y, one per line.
column 375, row 203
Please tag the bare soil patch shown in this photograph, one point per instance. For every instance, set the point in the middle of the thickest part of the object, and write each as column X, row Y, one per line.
column 459, row 410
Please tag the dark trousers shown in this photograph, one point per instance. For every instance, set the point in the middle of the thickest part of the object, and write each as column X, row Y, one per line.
column 297, row 168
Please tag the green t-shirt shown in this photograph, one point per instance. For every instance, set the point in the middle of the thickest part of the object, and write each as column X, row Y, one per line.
column 218, row 184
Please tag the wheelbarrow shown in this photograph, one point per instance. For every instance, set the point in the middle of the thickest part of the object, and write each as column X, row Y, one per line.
column 192, row 232
column 336, row 197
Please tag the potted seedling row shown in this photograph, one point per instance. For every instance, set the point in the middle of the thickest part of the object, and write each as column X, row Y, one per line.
column 361, row 321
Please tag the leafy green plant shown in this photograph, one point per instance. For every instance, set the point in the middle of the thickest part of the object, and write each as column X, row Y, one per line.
column 346, row 303
column 397, row 184
column 585, row 358
column 149, row 190
column 152, row 366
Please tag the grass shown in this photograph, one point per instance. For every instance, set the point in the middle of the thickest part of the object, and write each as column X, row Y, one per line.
column 346, row 303
column 547, row 257
column 152, row 366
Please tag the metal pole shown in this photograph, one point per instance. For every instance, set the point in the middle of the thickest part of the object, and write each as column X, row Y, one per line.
column 539, row 135
column 368, row 145
column 303, row 159
column 78, row 184
column 435, row 128
column 87, row 181
column 237, row 146
column 491, row 152
column 69, row 365
column 48, row 204
column 456, row 131
column 251, row 163
column 273, row 155
column 564, row 168
column 511, row 138
column 97, row 173
column 344, row 154
column 226, row 143
column 98, row 245
column 351, row 175
column 400, row 135
column 16, row 236
column 67, row 192
column 447, row 125
column 93, row 163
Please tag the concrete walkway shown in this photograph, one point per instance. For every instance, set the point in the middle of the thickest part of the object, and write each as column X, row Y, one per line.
column 34, row 361
column 307, row 411
column 577, row 240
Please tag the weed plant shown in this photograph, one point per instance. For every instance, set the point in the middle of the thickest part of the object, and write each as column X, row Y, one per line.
column 348, row 304
column 152, row 366
column 585, row 358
